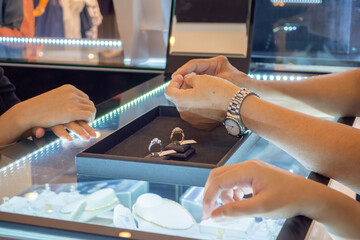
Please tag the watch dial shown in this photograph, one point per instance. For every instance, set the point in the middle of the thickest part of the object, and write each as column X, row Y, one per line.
column 232, row 127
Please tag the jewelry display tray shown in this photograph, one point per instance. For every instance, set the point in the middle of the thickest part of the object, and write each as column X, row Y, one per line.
column 121, row 154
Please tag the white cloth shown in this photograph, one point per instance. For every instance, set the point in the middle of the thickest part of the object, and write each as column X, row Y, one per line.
column 71, row 17
column 96, row 18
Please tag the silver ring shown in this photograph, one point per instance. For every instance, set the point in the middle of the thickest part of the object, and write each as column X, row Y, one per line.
column 154, row 142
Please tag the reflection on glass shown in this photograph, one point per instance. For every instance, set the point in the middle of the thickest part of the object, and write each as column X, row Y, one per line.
column 210, row 28
column 307, row 32
column 85, row 32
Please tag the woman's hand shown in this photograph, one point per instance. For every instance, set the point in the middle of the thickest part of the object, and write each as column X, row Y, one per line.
column 204, row 103
column 80, row 128
column 59, row 106
column 276, row 192
column 218, row 66
column 63, row 108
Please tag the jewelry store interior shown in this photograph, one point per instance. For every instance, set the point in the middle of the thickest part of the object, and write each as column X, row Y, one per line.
column 143, row 175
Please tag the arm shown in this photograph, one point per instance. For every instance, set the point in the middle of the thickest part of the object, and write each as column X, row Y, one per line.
column 326, row 147
column 278, row 194
column 336, row 94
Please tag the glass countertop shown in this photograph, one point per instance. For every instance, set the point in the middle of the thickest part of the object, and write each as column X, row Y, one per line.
column 39, row 186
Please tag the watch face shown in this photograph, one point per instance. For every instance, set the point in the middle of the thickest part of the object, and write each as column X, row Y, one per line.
column 232, row 127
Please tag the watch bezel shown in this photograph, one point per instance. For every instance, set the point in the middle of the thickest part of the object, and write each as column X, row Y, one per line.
column 241, row 128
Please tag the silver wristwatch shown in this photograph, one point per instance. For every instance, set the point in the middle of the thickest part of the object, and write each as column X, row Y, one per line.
column 233, row 122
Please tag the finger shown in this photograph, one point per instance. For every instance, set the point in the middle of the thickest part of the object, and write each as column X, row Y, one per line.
column 71, row 88
column 78, row 130
column 38, row 132
column 173, row 92
column 80, row 93
column 87, row 128
column 249, row 207
column 86, row 107
column 216, row 172
column 60, row 131
column 238, row 194
column 197, row 66
column 85, row 101
column 192, row 80
column 82, row 115
column 237, row 176
column 227, row 196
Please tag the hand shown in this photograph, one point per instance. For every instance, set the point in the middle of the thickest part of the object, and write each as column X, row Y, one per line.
column 62, row 105
column 204, row 103
column 276, row 193
column 80, row 128
column 218, row 66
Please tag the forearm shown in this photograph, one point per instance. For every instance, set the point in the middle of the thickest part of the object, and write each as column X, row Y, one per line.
column 337, row 94
column 12, row 126
column 338, row 212
column 326, row 147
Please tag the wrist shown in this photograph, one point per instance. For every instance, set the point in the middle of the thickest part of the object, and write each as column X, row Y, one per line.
column 242, row 80
column 19, row 118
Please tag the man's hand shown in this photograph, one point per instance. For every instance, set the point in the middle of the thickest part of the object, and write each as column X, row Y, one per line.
column 218, row 66
column 276, row 192
column 204, row 103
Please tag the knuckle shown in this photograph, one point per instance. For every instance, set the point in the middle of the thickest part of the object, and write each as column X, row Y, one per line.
column 222, row 58
column 212, row 174
column 68, row 87
column 254, row 162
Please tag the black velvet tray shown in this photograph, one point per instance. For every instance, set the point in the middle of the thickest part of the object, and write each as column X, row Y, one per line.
column 122, row 154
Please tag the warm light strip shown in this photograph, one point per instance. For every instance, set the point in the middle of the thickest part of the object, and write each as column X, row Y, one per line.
column 61, row 41
column 127, row 106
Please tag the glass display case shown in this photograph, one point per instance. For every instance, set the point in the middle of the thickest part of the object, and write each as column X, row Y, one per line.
column 40, row 188
column 306, row 36
column 42, row 194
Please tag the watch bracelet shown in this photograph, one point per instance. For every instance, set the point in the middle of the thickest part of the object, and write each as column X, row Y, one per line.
column 237, row 101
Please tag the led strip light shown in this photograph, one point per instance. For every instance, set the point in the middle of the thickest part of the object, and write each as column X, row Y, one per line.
column 61, row 41
column 276, row 77
column 57, row 143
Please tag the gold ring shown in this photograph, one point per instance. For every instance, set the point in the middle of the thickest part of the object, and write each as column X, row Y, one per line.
column 174, row 132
